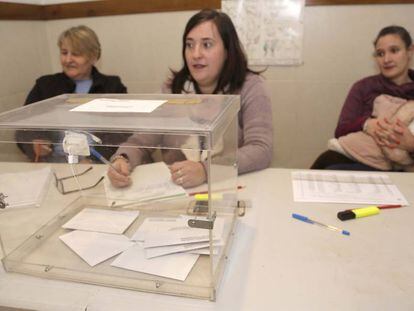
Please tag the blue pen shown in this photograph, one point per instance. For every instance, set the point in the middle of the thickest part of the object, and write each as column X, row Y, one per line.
column 313, row 222
column 101, row 158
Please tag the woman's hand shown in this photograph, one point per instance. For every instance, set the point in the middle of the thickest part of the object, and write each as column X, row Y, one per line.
column 41, row 148
column 373, row 128
column 188, row 173
column 397, row 134
column 380, row 130
column 119, row 172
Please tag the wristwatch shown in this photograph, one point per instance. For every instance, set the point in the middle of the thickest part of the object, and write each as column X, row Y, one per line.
column 122, row 156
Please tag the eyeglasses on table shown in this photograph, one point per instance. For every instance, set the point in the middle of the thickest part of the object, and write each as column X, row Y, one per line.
column 59, row 182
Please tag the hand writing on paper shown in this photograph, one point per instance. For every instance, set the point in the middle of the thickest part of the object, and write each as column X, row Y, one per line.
column 188, row 173
column 119, row 173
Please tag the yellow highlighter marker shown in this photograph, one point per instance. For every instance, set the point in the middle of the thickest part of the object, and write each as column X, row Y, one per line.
column 363, row 212
column 204, row 196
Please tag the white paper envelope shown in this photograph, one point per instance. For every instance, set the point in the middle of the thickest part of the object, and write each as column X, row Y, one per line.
column 119, row 105
column 101, row 220
column 171, row 249
column 175, row 266
column 158, row 224
column 96, row 247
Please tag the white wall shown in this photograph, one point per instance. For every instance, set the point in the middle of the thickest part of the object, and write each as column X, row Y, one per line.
column 141, row 47
column 24, row 54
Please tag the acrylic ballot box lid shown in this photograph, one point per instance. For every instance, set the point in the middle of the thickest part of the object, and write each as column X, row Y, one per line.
column 200, row 115
column 38, row 237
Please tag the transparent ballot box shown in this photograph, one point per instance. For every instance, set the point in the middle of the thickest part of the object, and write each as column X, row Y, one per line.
column 167, row 230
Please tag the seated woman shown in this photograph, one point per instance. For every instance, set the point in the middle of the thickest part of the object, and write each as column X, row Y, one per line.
column 362, row 147
column 393, row 53
column 79, row 51
column 214, row 63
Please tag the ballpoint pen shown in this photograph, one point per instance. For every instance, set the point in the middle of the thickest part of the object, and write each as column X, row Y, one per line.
column 206, row 192
column 363, row 212
column 314, row 222
column 101, row 158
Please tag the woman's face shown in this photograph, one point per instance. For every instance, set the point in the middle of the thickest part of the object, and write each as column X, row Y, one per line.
column 205, row 55
column 393, row 58
column 75, row 65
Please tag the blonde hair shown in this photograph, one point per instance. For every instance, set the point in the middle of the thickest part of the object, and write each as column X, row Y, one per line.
column 83, row 40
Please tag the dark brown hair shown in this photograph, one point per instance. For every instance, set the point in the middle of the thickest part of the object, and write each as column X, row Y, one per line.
column 395, row 30
column 233, row 73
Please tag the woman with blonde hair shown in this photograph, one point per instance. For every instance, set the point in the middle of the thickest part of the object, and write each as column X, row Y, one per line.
column 79, row 51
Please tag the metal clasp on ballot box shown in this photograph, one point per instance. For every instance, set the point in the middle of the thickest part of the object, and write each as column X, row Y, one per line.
column 200, row 209
column 202, row 223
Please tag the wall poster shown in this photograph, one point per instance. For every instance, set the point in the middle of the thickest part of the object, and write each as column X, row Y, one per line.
column 270, row 30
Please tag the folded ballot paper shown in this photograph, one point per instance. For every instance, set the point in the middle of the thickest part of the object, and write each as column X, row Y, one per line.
column 168, row 247
column 98, row 233
column 96, row 247
column 149, row 182
column 101, row 220
column 163, row 246
column 162, row 236
column 25, row 189
column 175, row 266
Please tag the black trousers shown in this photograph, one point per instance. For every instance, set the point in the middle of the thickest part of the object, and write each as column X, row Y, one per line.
column 336, row 161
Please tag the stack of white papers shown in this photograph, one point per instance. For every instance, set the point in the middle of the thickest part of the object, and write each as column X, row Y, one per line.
column 25, row 189
column 162, row 236
column 166, row 247
column 98, row 233
column 149, row 182
column 345, row 187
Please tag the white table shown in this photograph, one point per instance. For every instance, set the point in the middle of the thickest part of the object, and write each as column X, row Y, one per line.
column 276, row 262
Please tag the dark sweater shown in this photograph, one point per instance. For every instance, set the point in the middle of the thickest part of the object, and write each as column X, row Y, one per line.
column 358, row 105
column 57, row 84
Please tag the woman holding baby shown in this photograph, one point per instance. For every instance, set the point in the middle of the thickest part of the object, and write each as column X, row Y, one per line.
column 388, row 129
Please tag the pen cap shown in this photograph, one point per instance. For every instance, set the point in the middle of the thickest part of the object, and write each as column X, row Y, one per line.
column 346, row 215
column 366, row 211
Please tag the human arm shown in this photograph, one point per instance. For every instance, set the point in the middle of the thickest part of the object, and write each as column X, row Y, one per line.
column 397, row 135
column 134, row 151
column 188, row 173
column 119, row 172
column 375, row 127
column 355, row 111
column 255, row 126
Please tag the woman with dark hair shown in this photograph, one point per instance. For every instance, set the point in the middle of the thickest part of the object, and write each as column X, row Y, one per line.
column 231, row 66
column 393, row 53
column 214, row 63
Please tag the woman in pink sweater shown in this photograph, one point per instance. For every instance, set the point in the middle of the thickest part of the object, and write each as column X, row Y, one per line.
column 214, row 63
